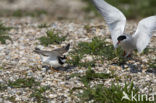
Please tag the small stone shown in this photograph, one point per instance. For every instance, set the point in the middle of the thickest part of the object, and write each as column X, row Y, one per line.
column 44, row 69
column 52, row 95
column 30, row 74
column 1, row 100
column 112, row 67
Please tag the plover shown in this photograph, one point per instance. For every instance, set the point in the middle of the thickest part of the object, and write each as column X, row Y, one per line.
column 116, row 22
column 54, row 58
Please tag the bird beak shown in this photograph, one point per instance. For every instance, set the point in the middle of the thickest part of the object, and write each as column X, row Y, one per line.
column 118, row 42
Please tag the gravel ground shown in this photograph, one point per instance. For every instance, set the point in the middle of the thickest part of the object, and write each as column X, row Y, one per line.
column 19, row 61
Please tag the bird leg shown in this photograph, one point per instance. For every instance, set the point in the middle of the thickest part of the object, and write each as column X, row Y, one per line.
column 53, row 69
column 129, row 55
column 124, row 54
column 40, row 63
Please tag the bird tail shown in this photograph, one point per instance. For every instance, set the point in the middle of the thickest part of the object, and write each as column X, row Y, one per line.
column 67, row 47
column 37, row 50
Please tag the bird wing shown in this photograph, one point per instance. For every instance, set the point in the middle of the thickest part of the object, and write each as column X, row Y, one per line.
column 59, row 51
column 114, row 18
column 53, row 53
column 144, row 32
column 62, row 50
column 41, row 52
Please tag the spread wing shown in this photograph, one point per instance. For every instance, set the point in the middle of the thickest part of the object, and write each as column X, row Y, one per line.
column 144, row 32
column 114, row 18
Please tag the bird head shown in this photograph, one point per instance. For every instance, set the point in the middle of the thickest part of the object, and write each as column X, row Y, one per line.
column 121, row 39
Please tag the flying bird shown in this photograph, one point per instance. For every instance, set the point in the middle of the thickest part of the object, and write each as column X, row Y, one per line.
column 54, row 58
column 116, row 22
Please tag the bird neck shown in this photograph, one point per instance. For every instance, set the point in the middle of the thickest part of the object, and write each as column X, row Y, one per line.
column 61, row 60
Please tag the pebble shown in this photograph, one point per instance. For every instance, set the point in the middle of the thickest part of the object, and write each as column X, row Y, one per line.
column 20, row 61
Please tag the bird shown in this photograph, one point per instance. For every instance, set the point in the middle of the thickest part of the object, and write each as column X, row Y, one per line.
column 54, row 58
column 116, row 22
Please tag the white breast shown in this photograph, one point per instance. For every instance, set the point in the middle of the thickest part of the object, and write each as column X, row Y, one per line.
column 53, row 62
column 128, row 45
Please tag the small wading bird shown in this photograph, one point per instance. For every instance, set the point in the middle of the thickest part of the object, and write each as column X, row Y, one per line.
column 116, row 22
column 54, row 58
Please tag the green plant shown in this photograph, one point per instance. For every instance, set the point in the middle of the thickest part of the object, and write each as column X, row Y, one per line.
column 120, row 58
column 87, row 28
column 51, row 38
column 2, row 87
column 38, row 94
column 99, row 93
column 21, row 13
column 43, row 25
column 91, row 75
column 23, row 83
column 90, row 7
column 3, row 32
column 76, row 61
column 148, row 50
column 113, row 94
column 1, row 68
column 151, row 60
column 12, row 99
column 97, row 47
column 152, row 63
column 75, row 75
